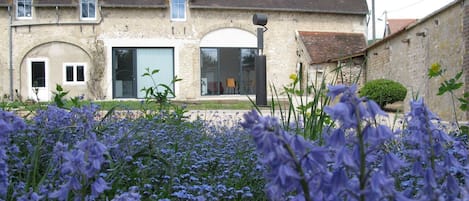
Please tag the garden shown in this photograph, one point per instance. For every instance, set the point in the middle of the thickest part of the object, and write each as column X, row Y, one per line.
column 330, row 146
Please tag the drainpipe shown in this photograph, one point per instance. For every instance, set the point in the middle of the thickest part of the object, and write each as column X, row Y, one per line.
column 10, row 52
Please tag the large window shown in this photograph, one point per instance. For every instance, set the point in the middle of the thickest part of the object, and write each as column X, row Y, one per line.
column 227, row 71
column 88, row 9
column 129, row 65
column 23, row 9
column 74, row 73
column 178, row 10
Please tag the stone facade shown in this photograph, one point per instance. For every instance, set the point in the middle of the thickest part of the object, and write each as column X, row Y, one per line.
column 407, row 55
column 56, row 35
column 332, row 57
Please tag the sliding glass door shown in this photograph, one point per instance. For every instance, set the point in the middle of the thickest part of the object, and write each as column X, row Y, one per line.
column 129, row 64
column 227, row 71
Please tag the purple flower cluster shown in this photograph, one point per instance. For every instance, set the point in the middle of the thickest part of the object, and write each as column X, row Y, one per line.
column 437, row 161
column 360, row 158
column 63, row 154
column 9, row 124
column 189, row 161
column 80, row 170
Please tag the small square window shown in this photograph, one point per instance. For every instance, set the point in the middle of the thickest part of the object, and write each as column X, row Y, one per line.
column 88, row 9
column 74, row 73
column 178, row 10
column 24, row 9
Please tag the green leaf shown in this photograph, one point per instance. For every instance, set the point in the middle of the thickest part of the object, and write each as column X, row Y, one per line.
column 58, row 88
column 458, row 75
column 155, row 71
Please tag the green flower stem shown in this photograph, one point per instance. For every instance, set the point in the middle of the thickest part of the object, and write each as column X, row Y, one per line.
column 304, row 183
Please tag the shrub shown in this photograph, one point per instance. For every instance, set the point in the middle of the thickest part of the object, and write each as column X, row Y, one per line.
column 384, row 91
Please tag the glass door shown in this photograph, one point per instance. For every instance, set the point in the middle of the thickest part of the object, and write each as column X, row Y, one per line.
column 129, row 65
column 210, row 83
column 248, row 71
column 124, row 85
column 227, row 71
column 39, row 90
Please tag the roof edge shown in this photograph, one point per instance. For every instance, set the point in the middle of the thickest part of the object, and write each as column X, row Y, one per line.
column 276, row 9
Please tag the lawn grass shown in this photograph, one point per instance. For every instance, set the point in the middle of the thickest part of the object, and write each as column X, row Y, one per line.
column 137, row 105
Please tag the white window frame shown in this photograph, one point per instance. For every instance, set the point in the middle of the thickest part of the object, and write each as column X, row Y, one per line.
column 174, row 8
column 75, row 76
column 89, row 2
column 25, row 2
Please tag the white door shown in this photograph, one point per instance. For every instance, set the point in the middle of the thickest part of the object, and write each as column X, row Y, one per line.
column 38, row 86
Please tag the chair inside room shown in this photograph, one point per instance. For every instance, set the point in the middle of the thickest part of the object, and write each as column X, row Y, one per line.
column 231, row 85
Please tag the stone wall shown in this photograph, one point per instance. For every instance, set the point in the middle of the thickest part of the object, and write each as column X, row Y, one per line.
column 92, row 42
column 466, row 47
column 406, row 56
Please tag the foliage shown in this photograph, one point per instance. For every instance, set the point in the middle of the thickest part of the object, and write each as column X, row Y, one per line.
column 302, row 113
column 450, row 86
column 77, row 154
column 61, row 102
column 361, row 159
column 159, row 95
column 384, row 91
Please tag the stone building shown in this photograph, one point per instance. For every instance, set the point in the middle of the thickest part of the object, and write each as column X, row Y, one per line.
column 337, row 57
column 101, row 48
column 406, row 55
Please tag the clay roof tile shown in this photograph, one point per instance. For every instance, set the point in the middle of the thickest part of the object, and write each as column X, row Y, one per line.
column 326, row 46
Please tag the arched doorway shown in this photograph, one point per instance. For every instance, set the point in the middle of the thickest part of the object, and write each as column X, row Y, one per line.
column 52, row 63
column 227, row 62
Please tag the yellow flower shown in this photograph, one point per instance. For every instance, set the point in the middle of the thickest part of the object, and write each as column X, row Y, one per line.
column 435, row 70
column 436, row 67
column 293, row 77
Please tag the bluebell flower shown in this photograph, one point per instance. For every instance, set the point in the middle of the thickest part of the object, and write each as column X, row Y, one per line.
column 62, row 193
column 339, row 180
column 98, row 187
column 30, row 196
column 380, row 184
column 392, row 163
column 9, row 123
column 128, row 196
column 95, row 154
column 74, row 162
column 344, row 113
column 336, row 139
column 336, row 90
